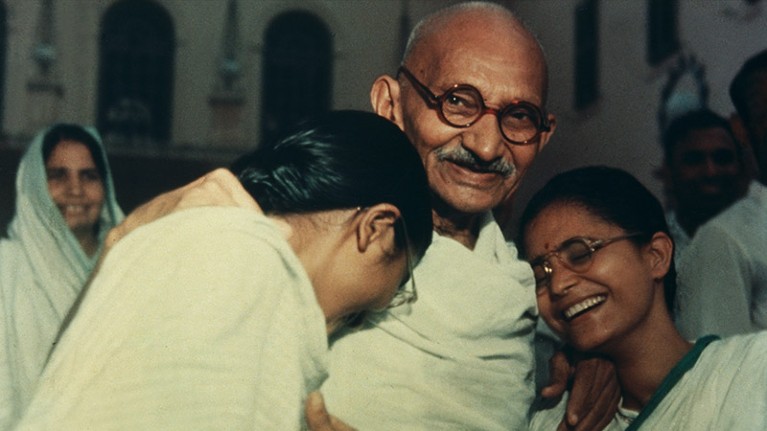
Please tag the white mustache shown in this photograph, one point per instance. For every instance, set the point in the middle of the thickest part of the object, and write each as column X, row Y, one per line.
column 464, row 157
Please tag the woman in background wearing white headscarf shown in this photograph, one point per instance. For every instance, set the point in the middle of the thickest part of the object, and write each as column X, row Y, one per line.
column 65, row 205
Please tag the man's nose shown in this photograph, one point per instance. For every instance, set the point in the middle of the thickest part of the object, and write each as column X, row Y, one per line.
column 484, row 138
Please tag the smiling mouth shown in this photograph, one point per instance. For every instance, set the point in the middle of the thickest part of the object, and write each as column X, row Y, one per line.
column 73, row 209
column 583, row 306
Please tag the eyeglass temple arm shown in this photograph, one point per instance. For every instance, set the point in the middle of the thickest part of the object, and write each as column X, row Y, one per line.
column 431, row 98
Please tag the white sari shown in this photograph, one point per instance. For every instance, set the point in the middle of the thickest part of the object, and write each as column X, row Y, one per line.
column 42, row 270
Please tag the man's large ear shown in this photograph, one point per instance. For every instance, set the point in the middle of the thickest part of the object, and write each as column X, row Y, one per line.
column 385, row 98
column 376, row 225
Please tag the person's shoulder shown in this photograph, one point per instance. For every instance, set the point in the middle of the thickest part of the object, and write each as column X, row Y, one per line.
column 753, row 340
column 757, row 195
column 197, row 229
column 742, row 223
column 202, row 221
column 736, row 366
column 741, row 347
column 755, row 201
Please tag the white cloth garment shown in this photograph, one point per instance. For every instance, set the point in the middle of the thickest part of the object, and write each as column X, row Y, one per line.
column 723, row 273
column 681, row 239
column 204, row 319
column 459, row 358
column 42, row 270
column 725, row 389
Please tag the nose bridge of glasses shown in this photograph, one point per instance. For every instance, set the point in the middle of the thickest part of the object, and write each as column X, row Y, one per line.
column 564, row 261
column 475, row 107
column 566, row 275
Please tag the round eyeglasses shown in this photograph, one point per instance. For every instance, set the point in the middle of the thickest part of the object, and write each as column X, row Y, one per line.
column 462, row 105
column 576, row 254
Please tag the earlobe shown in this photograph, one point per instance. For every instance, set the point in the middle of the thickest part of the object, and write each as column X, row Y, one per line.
column 376, row 224
column 385, row 99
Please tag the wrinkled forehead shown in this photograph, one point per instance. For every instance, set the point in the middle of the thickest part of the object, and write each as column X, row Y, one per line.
column 464, row 51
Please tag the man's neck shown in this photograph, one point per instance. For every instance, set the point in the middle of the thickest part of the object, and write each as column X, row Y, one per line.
column 463, row 228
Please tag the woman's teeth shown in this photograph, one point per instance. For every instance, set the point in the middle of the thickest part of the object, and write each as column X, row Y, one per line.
column 583, row 306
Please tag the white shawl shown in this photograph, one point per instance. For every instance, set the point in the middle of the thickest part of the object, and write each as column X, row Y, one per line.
column 203, row 319
column 459, row 358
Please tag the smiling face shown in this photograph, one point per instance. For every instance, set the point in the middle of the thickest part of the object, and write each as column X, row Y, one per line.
column 593, row 309
column 75, row 185
column 706, row 172
column 471, row 170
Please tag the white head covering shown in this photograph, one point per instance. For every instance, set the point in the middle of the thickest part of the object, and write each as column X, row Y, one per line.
column 42, row 270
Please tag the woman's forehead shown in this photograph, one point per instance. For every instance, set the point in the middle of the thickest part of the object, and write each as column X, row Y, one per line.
column 562, row 221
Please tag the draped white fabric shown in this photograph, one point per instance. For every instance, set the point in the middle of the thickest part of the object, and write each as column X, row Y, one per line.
column 722, row 281
column 42, row 270
column 459, row 358
column 204, row 319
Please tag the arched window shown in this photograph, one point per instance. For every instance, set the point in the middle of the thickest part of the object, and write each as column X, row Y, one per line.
column 136, row 73
column 296, row 72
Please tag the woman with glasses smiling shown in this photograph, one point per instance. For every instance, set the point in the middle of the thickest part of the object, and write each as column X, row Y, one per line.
column 603, row 262
column 217, row 317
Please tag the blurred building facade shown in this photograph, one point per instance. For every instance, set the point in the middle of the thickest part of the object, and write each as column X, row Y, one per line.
column 209, row 79
column 193, row 74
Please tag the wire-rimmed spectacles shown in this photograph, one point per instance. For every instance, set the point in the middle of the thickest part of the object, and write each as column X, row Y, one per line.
column 576, row 254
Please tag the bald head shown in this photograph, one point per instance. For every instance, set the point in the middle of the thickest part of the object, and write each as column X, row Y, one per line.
column 468, row 28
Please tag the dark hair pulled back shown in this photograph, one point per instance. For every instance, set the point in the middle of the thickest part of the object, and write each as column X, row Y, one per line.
column 342, row 159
